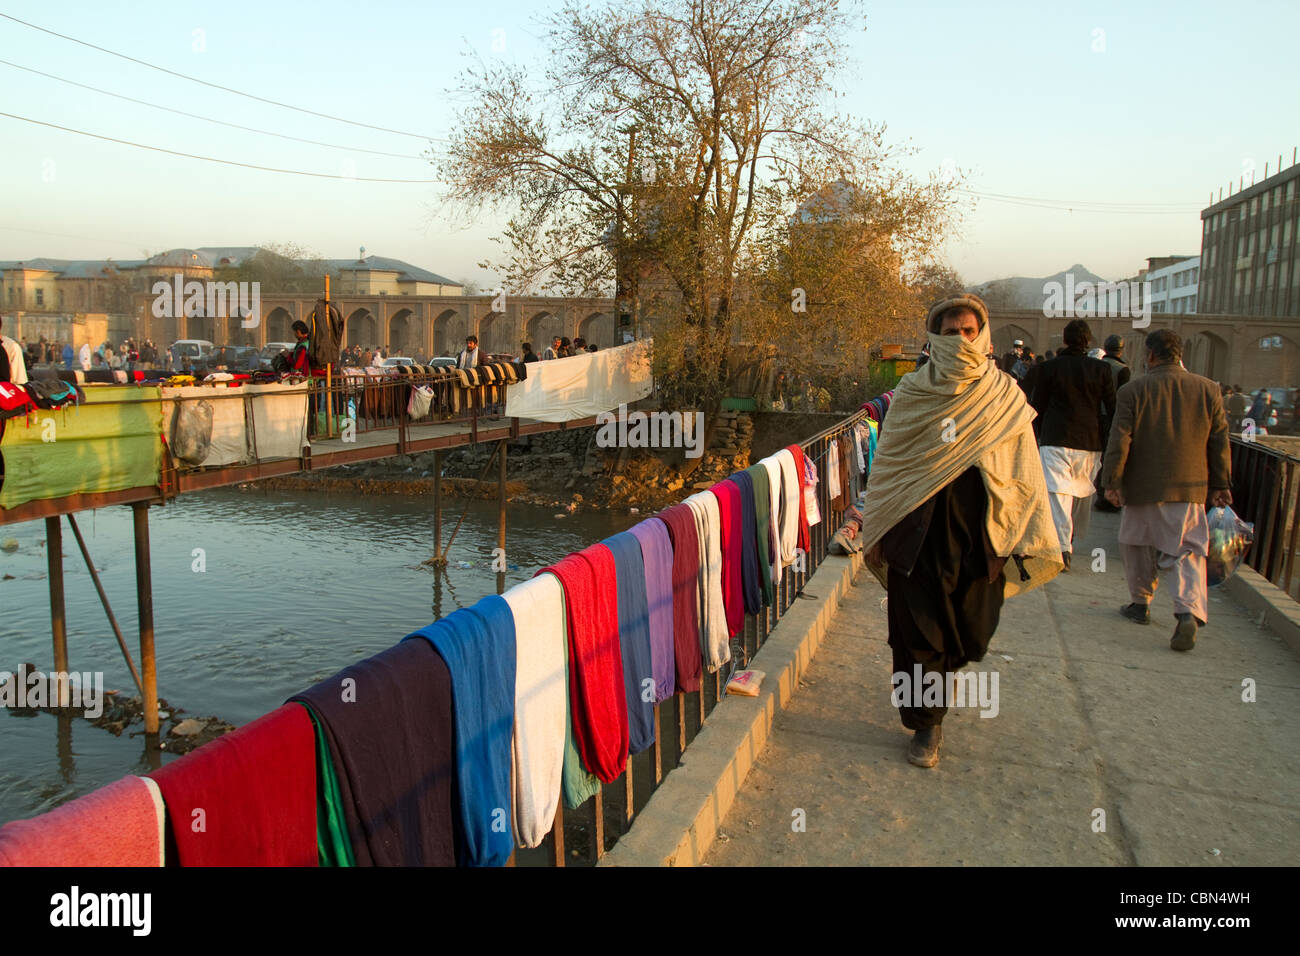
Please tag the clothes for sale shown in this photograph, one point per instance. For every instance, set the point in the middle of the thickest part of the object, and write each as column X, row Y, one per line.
column 541, row 705
column 390, row 726
column 679, row 521
column 803, row 474
column 478, row 645
column 791, row 505
column 597, row 698
column 811, row 509
column 760, row 479
column 333, row 846
column 247, row 798
column 634, row 640
column 778, row 507
column 833, row 487
column 749, row 571
column 657, row 556
column 731, row 541
column 713, row 610
column 117, row 825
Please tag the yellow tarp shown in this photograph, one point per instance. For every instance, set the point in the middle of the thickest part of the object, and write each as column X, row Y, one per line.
column 96, row 447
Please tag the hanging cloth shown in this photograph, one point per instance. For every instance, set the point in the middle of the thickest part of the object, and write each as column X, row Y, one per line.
column 478, row 645
column 541, row 707
column 679, row 521
column 657, row 556
column 247, row 798
column 749, row 568
column 731, row 540
column 117, row 825
column 759, row 487
column 596, row 692
column 713, row 632
column 390, row 727
column 634, row 639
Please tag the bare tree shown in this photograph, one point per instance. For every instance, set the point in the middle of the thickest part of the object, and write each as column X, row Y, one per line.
column 663, row 154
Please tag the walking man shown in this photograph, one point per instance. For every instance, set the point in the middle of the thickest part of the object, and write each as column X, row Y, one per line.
column 1075, row 399
column 955, row 493
column 1236, row 409
column 1168, row 453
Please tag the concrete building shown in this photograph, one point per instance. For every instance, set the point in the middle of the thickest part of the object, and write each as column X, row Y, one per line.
column 1174, row 283
column 1249, row 263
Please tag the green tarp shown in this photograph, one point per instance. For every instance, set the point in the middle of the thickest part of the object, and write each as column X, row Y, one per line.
column 110, row 443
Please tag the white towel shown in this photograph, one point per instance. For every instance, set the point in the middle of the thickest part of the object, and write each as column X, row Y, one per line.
column 540, row 701
column 715, row 638
column 790, row 490
column 775, row 499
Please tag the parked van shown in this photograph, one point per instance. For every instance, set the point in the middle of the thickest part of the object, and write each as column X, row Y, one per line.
column 197, row 350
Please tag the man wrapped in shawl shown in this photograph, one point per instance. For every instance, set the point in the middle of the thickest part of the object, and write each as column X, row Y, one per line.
column 957, row 517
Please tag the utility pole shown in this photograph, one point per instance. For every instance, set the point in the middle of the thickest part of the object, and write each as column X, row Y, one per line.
column 624, row 281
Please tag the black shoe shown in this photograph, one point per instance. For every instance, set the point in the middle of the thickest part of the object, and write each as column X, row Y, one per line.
column 924, row 750
column 1065, row 559
column 1184, row 638
column 1137, row 613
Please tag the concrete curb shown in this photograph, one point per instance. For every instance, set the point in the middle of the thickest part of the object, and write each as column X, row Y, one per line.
column 1259, row 595
column 681, row 821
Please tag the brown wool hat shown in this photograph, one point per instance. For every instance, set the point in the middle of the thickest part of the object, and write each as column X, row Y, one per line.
column 968, row 300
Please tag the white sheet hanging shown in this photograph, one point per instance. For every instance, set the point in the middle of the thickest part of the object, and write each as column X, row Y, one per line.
column 582, row 386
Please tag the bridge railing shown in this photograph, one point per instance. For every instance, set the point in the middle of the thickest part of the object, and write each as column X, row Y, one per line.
column 592, row 829
column 1266, row 492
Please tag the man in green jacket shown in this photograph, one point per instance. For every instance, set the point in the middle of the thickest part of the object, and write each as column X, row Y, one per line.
column 1167, row 458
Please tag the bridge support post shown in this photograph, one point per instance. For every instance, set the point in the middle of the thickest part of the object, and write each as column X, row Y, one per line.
column 501, row 512
column 437, row 508
column 58, row 616
column 144, row 601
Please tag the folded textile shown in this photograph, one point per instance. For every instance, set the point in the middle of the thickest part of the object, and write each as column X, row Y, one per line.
column 117, row 825
column 541, row 704
column 479, row 647
column 749, row 571
column 778, row 508
column 713, row 611
column 247, row 798
column 391, row 730
column 679, row 520
column 596, row 694
column 791, row 505
column 731, row 540
column 657, row 556
column 805, row 519
column 333, row 845
column 634, row 640
column 760, row 481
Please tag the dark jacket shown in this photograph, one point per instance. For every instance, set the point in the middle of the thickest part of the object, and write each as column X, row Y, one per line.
column 1169, row 441
column 1075, row 397
column 1119, row 369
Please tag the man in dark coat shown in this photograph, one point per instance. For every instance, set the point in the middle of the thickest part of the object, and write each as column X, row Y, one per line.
column 1074, row 396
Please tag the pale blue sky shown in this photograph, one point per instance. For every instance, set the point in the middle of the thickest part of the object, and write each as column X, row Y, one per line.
column 1184, row 97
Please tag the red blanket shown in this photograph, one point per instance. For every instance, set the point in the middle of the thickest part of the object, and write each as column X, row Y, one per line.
column 596, row 691
column 686, row 614
column 248, row 798
column 732, row 520
column 804, row 538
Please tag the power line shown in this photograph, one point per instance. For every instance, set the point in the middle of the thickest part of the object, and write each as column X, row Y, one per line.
column 215, row 86
column 1081, row 202
column 206, row 119
column 1062, row 206
column 211, row 159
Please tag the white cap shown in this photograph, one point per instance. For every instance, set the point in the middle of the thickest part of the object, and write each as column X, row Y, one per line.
column 1018, row 343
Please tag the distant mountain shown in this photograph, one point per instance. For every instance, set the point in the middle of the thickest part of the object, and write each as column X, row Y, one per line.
column 1025, row 292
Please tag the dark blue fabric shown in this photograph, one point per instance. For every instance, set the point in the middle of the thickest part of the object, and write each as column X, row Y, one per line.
column 749, row 574
column 634, row 638
column 478, row 646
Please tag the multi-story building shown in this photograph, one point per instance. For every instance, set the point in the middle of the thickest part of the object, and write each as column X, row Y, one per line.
column 1249, row 264
column 1173, row 283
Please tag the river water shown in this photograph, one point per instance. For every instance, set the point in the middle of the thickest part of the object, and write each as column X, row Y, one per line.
column 287, row 589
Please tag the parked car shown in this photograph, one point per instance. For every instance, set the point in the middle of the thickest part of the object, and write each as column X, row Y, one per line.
column 270, row 350
column 394, row 360
column 442, row 361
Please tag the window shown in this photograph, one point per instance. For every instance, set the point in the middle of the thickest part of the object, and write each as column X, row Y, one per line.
column 1250, row 245
column 1290, row 190
column 1263, row 206
column 40, row 297
column 1254, row 206
column 1286, row 233
column 1192, row 304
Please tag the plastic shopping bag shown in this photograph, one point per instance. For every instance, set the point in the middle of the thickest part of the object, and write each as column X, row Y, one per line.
column 1229, row 539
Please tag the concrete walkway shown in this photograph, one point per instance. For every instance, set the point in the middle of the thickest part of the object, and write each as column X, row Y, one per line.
column 1096, row 713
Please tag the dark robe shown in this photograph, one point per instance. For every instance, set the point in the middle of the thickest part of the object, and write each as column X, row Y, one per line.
column 945, row 587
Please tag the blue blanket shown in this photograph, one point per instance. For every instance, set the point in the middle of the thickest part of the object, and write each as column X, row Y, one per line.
column 634, row 638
